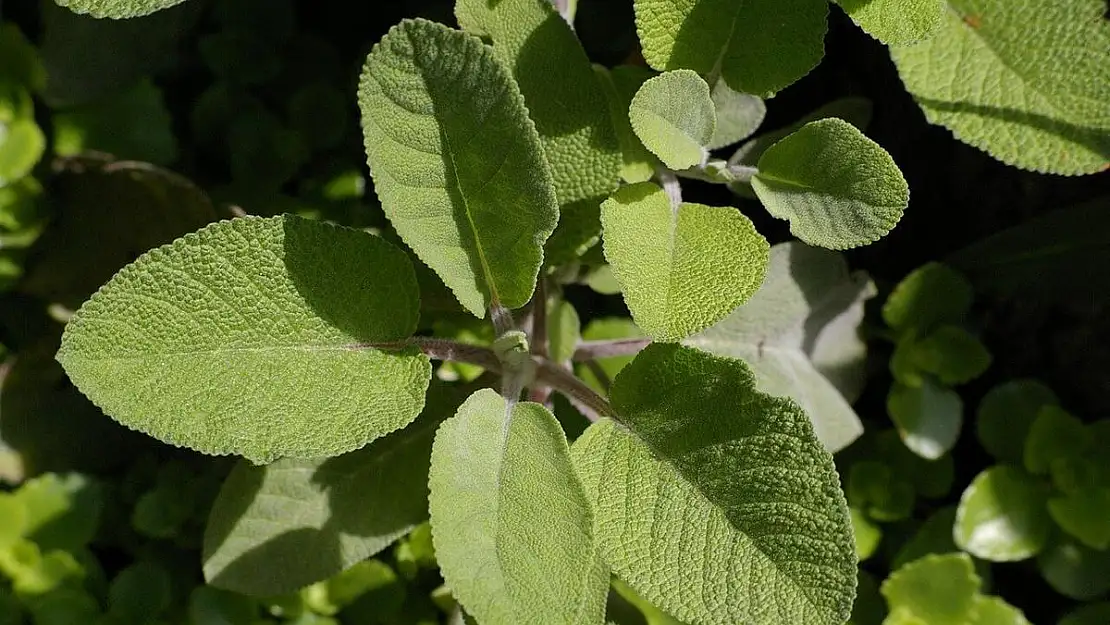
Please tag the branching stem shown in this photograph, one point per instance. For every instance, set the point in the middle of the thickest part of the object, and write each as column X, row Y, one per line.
column 592, row 350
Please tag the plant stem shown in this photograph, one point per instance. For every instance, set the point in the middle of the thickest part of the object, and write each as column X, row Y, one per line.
column 671, row 185
column 599, row 373
column 594, row 406
column 538, row 340
column 592, row 350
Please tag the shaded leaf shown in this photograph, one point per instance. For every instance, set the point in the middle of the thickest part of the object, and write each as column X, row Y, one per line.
column 952, row 354
column 930, row 295
column 620, row 85
column 1005, row 415
column 1054, row 434
column 117, row 9
column 133, row 124
column 1074, row 570
column 738, row 115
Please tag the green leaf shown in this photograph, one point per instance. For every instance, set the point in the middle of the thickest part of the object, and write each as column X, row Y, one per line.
column 995, row 611
column 1091, row 614
column 952, row 354
column 1005, row 415
column 934, row 536
column 22, row 64
column 683, row 268
column 746, row 491
column 117, row 9
column 1054, row 434
column 800, row 335
column 738, row 115
column 935, row 590
column 1002, row 516
column 928, row 417
column 997, row 84
column 867, row 534
column 140, row 592
column 262, row 332
column 1074, row 570
column 837, row 188
column 620, row 85
column 133, row 124
column 21, row 146
column 457, row 163
column 60, row 511
column 562, row 331
column 895, row 22
column 1084, row 514
column 219, row 607
column 673, row 116
column 325, row 514
column 511, row 524
column 651, row 615
column 748, row 44
column 601, row 329
column 930, row 295
column 878, row 490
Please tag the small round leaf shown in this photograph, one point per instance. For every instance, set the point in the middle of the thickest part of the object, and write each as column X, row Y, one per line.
column 1002, row 516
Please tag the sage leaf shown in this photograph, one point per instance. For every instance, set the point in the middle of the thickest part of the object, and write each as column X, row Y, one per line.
column 1002, row 516
column 748, row 44
column 837, row 188
column 620, row 85
column 738, row 115
column 748, row 495
column 457, row 163
column 997, row 84
column 896, row 22
column 800, row 335
column 673, row 116
column 680, row 269
column 254, row 336
column 117, row 9
column 511, row 525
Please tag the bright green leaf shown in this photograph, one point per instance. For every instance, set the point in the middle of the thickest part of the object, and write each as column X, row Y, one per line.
column 895, row 22
column 673, row 116
column 457, row 163
column 261, row 331
column 928, row 417
column 60, row 511
column 748, row 44
column 1002, row 516
column 117, row 9
column 837, row 188
column 748, row 494
column 995, row 611
column 738, row 115
column 997, row 84
column 1054, row 434
column 800, row 335
column 930, row 295
column 1090, row 614
column 1074, row 570
column 512, row 528
column 620, row 85
column 562, row 331
column 683, row 268
column 867, row 534
column 935, row 590
column 952, row 354
column 21, row 146
column 1085, row 514
column 1005, row 415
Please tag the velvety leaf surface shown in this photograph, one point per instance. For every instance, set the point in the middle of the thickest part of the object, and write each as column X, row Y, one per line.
column 512, row 527
column 457, row 163
column 117, row 9
column 673, row 115
column 937, row 590
column 738, row 115
column 1005, row 415
column 896, row 22
column 757, row 530
column 756, row 46
column 800, row 335
column 680, row 269
column 1002, row 516
column 998, row 85
column 258, row 331
column 837, row 188
column 620, row 85
column 928, row 417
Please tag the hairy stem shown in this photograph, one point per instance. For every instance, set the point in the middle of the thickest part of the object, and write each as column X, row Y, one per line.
column 671, row 185
column 591, row 404
column 592, row 350
column 538, row 341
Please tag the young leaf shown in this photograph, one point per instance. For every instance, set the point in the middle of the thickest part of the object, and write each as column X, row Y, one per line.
column 511, row 524
column 997, row 84
column 748, row 44
column 620, row 85
column 738, row 115
column 938, row 590
column 256, row 337
column 324, row 514
column 117, row 9
column 457, row 163
column 895, row 22
column 1002, row 516
column 747, row 493
column 952, row 354
column 1054, row 434
column 837, row 188
column 1074, row 570
column 1005, row 415
column 683, row 268
column 932, row 294
column 673, row 116
column 799, row 334
column 928, row 417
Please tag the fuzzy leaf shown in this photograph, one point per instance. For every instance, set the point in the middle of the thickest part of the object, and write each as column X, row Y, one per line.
column 738, row 115
column 756, row 46
column 937, row 590
column 997, row 84
column 928, row 417
column 457, row 163
column 1002, row 516
column 932, row 294
column 748, row 495
column 1005, row 415
column 895, row 22
column 511, row 524
column 837, row 188
column 117, row 9
column 563, row 327
column 800, row 335
column 620, row 85
column 252, row 336
column 681, row 270
column 673, row 116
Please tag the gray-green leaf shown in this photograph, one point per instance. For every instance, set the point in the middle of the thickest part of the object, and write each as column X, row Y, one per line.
column 837, row 188
column 738, row 115
column 747, row 494
column 800, row 335
column 457, row 163
column 673, row 116
column 255, row 337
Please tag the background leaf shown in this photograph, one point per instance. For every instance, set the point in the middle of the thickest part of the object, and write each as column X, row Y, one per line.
column 937, row 589
column 931, row 294
column 457, row 163
column 738, row 115
column 1002, row 516
column 673, row 115
column 259, row 330
column 928, row 417
column 1074, row 570
column 620, row 85
column 1005, row 415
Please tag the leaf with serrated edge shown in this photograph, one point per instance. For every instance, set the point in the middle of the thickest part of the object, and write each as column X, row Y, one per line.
column 800, row 335
column 255, row 337
column 320, row 516
column 512, row 528
column 756, row 46
column 895, row 22
column 673, row 115
column 756, row 528
column 683, row 269
column 837, row 188
column 457, row 163
column 117, row 9
column 998, row 85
